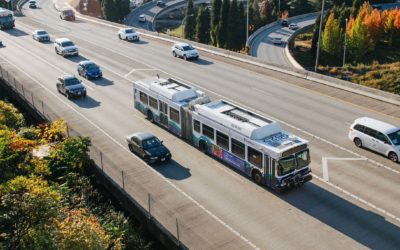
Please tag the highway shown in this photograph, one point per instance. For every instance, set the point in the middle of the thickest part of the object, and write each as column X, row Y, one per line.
column 354, row 205
column 263, row 48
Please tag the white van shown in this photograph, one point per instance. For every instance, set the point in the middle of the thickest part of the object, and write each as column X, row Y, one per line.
column 376, row 135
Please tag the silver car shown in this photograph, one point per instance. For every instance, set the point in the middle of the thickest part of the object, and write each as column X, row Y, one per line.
column 185, row 51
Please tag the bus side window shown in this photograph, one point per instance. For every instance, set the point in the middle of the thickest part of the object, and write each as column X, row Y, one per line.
column 153, row 103
column 174, row 115
column 238, row 148
column 222, row 140
column 254, row 157
column 144, row 98
column 196, row 126
column 208, row 131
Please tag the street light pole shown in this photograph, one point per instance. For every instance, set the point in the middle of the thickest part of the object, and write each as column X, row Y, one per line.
column 345, row 41
column 319, row 35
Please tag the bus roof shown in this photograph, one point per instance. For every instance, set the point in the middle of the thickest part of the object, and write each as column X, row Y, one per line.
column 171, row 89
column 261, row 130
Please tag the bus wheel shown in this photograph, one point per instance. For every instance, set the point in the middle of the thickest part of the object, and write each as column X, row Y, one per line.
column 150, row 116
column 203, row 146
column 257, row 177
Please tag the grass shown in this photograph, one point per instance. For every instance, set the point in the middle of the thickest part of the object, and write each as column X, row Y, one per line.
column 176, row 32
column 380, row 69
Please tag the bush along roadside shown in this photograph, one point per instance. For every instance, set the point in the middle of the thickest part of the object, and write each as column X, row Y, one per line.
column 47, row 198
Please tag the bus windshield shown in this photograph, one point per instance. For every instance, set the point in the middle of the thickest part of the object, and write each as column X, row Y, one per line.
column 298, row 160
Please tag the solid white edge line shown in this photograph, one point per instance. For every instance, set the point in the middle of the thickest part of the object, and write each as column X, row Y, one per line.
column 154, row 171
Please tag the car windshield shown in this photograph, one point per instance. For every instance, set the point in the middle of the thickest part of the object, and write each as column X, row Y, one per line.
column 68, row 12
column 71, row 81
column 42, row 33
column 151, row 143
column 395, row 138
column 67, row 44
column 187, row 47
column 91, row 66
column 128, row 31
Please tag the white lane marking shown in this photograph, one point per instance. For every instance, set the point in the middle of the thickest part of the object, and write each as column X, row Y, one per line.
column 281, row 121
column 325, row 174
column 133, row 70
column 374, row 207
column 215, row 217
column 46, row 62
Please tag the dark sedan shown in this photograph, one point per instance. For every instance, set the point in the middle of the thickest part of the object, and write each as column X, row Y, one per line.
column 70, row 86
column 148, row 147
column 89, row 69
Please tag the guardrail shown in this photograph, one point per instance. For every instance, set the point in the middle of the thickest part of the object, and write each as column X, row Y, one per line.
column 256, row 33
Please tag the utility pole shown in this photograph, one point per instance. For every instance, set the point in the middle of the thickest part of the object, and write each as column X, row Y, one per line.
column 319, row 35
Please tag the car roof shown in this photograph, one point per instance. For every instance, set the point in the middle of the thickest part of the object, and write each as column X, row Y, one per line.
column 182, row 44
column 65, row 77
column 142, row 135
column 85, row 62
column 36, row 31
column 63, row 40
column 376, row 124
column 141, row 15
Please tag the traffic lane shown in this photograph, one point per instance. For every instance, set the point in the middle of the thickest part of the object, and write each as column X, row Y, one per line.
column 324, row 126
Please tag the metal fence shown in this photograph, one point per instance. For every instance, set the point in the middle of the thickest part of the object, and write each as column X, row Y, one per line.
column 152, row 206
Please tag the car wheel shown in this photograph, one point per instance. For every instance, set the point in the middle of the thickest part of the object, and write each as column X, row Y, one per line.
column 174, row 53
column 55, row 49
column 59, row 91
column 131, row 148
column 120, row 38
column 393, row 157
column 257, row 177
column 358, row 142
column 184, row 57
column 68, row 95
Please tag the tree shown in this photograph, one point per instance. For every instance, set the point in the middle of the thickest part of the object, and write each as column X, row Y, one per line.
column 223, row 24
column 233, row 42
column 215, row 15
column 266, row 12
column 10, row 117
column 190, row 21
column 25, row 204
column 203, row 25
column 373, row 23
column 80, row 230
column 359, row 41
column 389, row 27
column 242, row 24
column 355, row 7
column 110, row 10
column 332, row 36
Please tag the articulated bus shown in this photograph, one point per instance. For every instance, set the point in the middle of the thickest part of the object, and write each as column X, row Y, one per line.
column 250, row 143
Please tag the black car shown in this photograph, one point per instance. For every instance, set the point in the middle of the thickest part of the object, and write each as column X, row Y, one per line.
column 148, row 147
column 70, row 86
column 285, row 23
column 160, row 3
column 67, row 14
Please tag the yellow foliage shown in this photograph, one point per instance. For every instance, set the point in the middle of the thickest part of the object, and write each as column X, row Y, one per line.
column 80, row 230
column 53, row 132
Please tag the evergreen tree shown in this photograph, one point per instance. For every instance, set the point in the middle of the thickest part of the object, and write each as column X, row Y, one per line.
column 332, row 36
column 110, row 10
column 215, row 14
column 242, row 24
column 355, row 7
column 190, row 21
column 203, row 25
column 233, row 42
column 223, row 24
column 314, row 41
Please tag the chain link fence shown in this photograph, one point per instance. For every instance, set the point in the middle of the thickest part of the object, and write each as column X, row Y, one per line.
column 153, row 206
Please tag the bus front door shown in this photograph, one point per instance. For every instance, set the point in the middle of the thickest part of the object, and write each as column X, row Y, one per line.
column 164, row 114
column 269, row 170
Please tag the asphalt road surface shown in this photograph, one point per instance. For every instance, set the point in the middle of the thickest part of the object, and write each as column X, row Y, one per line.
column 353, row 205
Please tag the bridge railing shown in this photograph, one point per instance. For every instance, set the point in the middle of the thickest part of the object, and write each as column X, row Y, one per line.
column 153, row 207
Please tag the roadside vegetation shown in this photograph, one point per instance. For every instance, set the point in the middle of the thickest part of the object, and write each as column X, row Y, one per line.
column 47, row 200
column 372, row 45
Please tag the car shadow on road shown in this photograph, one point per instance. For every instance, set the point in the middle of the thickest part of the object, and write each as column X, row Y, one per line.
column 16, row 32
column 102, row 82
column 172, row 170
column 140, row 42
column 76, row 59
column 362, row 225
column 201, row 61
column 86, row 102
